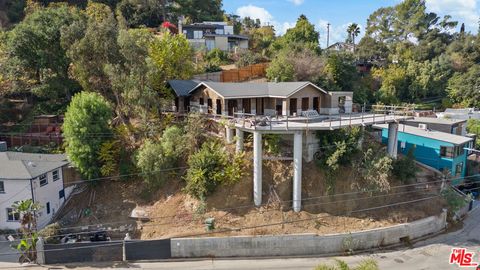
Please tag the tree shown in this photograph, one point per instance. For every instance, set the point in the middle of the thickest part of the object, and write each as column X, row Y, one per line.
column 374, row 171
column 199, row 10
column 404, row 168
column 92, row 44
column 27, row 210
column 473, row 126
column 36, row 60
column 281, row 70
column 86, row 127
column 340, row 72
column 299, row 64
column 464, row 88
column 171, row 58
column 353, row 31
column 303, row 33
column 149, row 13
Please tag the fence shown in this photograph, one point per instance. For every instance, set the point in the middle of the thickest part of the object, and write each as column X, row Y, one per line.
column 31, row 139
column 235, row 75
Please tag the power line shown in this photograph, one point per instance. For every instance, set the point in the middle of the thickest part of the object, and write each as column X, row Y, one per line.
column 242, row 227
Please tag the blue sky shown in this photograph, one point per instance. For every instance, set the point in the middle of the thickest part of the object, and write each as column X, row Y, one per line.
column 339, row 13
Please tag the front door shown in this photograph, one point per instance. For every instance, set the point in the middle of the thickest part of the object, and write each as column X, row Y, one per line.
column 232, row 106
column 293, row 106
column 259, row 105
column 210, row 105
column 247, row 108
column 305, row 104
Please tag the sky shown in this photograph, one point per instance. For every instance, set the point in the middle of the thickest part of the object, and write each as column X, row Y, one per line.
column 282, row 14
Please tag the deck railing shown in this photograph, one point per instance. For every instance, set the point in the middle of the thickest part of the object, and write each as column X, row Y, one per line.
column 373, row 114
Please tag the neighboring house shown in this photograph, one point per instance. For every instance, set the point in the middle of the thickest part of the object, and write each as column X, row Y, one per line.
column 452, row 126
column 211, row 35
column 341, row 47
column 268, row 98
column 440, row 150
column 39, row 177
column 463, row 114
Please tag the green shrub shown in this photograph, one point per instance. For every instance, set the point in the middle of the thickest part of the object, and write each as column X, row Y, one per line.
column 404, row 168
column 217, row 57
column 210, row 167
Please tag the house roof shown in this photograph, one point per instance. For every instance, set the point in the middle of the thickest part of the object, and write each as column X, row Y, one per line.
column 432, row 134
column 253, row 90
column 183, row 87
column 432, row 120
column 25, row 166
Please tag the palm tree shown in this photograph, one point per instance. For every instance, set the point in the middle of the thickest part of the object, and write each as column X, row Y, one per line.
column 353, row 31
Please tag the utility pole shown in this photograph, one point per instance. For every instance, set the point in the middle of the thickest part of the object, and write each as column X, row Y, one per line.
column 328, row 34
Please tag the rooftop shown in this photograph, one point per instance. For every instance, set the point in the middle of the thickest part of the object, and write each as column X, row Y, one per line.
column 432, row 120
column 254, row 90
column 25, row 166
column 183, row 87
column 432, row 134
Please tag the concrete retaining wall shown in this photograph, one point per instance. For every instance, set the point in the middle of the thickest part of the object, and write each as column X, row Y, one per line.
column 304, row 244
column 83, row 252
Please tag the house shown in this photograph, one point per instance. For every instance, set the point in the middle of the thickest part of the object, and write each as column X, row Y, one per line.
column 268, row 98
column 463, row 114
column 39, row 177
column 181, row 90
column 452, row 126
column 341, row 47
column 211, row 35
column 440, row 150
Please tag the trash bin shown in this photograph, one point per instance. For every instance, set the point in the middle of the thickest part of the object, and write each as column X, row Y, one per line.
column 210, row 224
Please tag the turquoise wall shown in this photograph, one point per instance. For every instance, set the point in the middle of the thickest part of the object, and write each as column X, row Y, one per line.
column 427, row 151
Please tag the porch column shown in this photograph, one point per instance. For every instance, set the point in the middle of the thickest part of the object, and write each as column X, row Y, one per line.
column 253, row 104
column 257, row 168
column 392, row 139
column 297, row 171
column 229, row 134
column 239, row 145
column 285, row 109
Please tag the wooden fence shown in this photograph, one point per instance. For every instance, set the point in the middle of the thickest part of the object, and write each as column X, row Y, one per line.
column 244, row 74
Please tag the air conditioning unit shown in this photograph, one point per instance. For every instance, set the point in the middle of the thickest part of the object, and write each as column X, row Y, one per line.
column 422, row 126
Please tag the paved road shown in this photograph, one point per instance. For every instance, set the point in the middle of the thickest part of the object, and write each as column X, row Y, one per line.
column 430, row 254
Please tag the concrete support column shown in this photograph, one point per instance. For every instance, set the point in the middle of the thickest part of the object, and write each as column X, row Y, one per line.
column 239, row 144
column 392, row 139
column 229, row 134
column 257, row 168
column 297, row 171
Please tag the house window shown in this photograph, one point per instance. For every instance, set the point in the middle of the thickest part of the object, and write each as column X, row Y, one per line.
column 48, row 208
column 197, row 34
column 2, row 187
column 446, row 151
column 12, row 215
column 55, row 175
column 61, row 194
column 200, row 101
column 43, row 180
column 458, row 169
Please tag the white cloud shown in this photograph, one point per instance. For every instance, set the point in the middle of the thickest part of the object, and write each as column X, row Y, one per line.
column 462, row 10
column 265, row 17
column 297, row 2
column 255, row 12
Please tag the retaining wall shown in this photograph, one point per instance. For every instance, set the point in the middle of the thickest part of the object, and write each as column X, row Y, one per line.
column 82, row 252
column 304, row 244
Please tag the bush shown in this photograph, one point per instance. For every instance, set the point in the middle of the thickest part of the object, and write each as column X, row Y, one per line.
column 210, row 167
column 248, row 58
column 404, row 168
column 217, row 57
column 152, row 157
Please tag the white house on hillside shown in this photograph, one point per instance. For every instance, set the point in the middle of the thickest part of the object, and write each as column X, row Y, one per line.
column 39, row 177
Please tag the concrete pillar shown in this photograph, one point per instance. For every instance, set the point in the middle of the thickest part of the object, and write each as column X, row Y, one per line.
column 229, row 134
column 239, row 144
column 392, row 139
column 40, row 247
column 297, row 171
column 257, row 168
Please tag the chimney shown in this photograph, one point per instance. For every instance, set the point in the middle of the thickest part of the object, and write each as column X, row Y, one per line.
column 3, row 146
